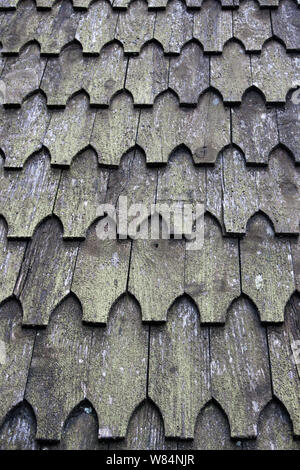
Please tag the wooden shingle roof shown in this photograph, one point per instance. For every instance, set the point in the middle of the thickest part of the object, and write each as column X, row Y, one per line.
column 144, row 344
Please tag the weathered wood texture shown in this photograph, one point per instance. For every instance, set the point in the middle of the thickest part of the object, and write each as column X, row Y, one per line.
column 284, row 349
column 97, row 27
column 99, row 289
column 212, row 431
column 135, row 26
column 231, row 73
column 156, row 276
column 65, row 75
column 205, row 130
column 179, row 380
column 274, row 430
column 22, row 75
column 107, row 75
column 240, row 372
column 16, row 349
column 11, row 256
column 22, row 130
column 189, row 74
column 56, row 28
column 82, row 188
column 80, row 431
column 147, row 74
column 286, row 24
column 273, row 62
column 289, row 124
column 212, row 26
column 18, row 430
column 28, row 195
column 266, row 269
column 57, row 377
column 278, row 190
column 240, row 198
column 145, row 431
column 173, row 27
column 251, row 25
column 51, row 259
column 118, row 368
column 254, row 128
column 115, row 130
column 69, row 130
column 211, row 284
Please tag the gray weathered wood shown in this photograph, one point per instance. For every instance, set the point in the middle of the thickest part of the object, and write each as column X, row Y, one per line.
column 58, row 374
column 254, row 128
column 273, row 72
column 212, row 431
column 11, row 256
column 18, row 27
column 289, row 124
column 136, row 182
column 147, row 74
column 284, row 357
column 16, row 350
column 118, row 368
column 274, row 430
column 156, row 276
column 99, row 288
column 97, row 27
column 266, row 269
column 145, row 431
column 252, row 25
column 18, row 431
column 295, row 247
column 181, row 180
column 107, row 75
column 240, row 372
column 22, row 74
column 286, row 24
column 135, row 26
column 212, row 273
column 231, row 73
column 28, row 195
column 22, row 130
column 69, row 130
column 205, row 130
column 240, row 195
column 189, row 74
column 159, row 128
column 115, row 129
column 179, row 380
column 46, row 273
column 174, row 27
column 278, row 188
column 212, row 26
column 65, row 75
column 80, row 431
column 214, row 191
column 81, row 189
column 44, row 4
column 56, row 28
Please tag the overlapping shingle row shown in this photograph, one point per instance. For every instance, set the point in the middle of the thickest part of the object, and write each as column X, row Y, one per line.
column 149, row 74
column 188, row 366
column 172, row 28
